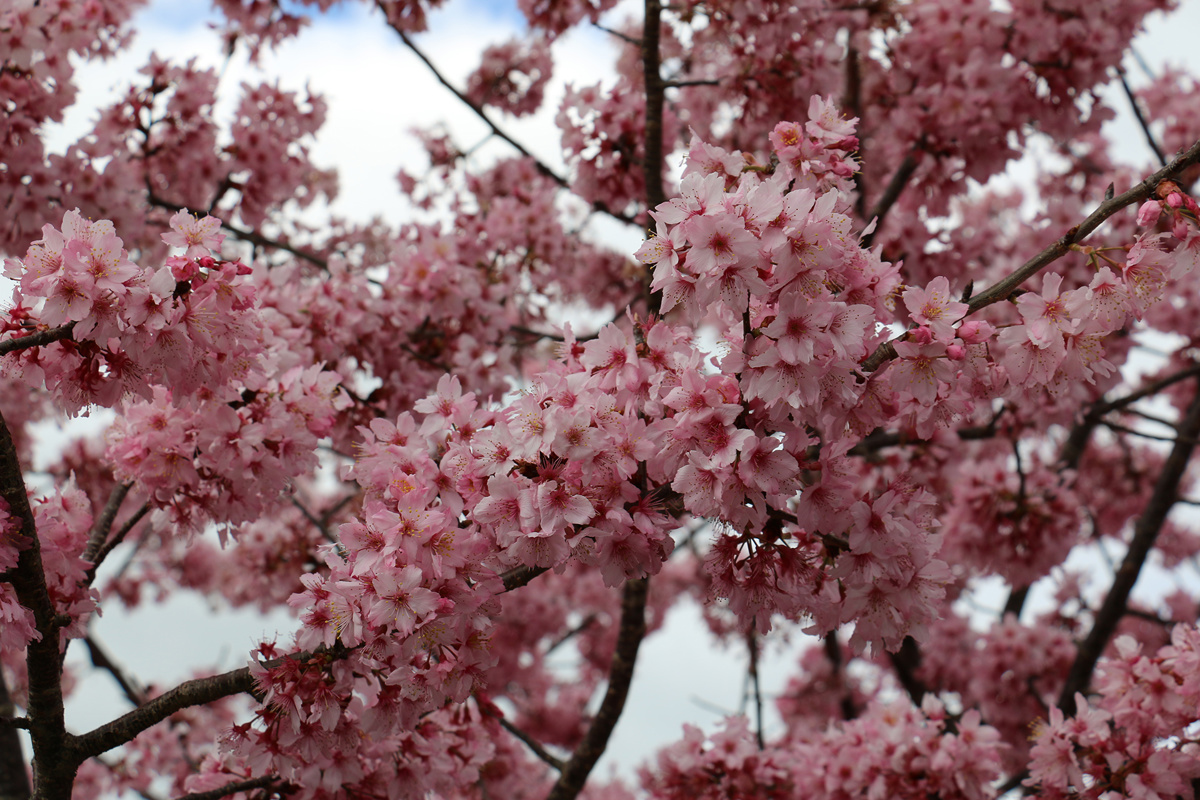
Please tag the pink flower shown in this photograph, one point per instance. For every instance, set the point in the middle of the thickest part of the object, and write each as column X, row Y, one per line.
column 199, row 236
column 932, row 306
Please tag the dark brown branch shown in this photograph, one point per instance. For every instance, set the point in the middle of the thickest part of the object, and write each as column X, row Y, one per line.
column 755, row 684
column 116, row 540
column 653, row 159
column 533, row 744
column 233, row 788
column 1004, row 289
column 37, row 339
column 1139, row 193
column 833, row 652
column 633, row 628
column 14, row 782
column 618, row 34
column 196, row 692
column 45, row 707
column 652, row 165
column 103, row 523
column 906, row 661
column 891, row 194
column 100, row 660
column 1145, row 531
column 1137, row 112
column 517, row 577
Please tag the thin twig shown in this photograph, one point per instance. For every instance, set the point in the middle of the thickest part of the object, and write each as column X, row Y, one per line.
column 233, row 788
column 1137, row 112
column 891, row 194
column 100, row 660
column 115, row 541
column 496, row 129
column 533, row 744
column 253, row 237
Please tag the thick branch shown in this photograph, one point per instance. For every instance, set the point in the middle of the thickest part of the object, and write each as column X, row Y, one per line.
column 100, row 660
column 37, row 339
column 1166, row 489
column 633, row 628
column 652, row 166
column 190, row 693
column 45, row 709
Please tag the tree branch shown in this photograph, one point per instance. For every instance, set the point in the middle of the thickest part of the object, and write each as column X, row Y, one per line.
column 891, row 194
column 1137, row 112
column 253, row 237
column 233, row 788
column 45, row 708
column 37, row 339
column 101, row 660
column 1166, row 489
column 496, row 129
column 533, row 744
column 14, row 782
column 115, row 541
column 1004, row 289
column 633, row 628
column 103, row 523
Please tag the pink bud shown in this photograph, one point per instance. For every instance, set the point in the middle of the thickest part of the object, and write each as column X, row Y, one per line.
column 956, row 352
column 1149, row 212
column 975, row 332
column 1179, row 227
column 1174, row 199
column 921, row 335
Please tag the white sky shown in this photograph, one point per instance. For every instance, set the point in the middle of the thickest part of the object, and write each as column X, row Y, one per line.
column 376, row 90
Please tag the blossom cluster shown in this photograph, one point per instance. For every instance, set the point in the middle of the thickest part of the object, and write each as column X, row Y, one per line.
column 189, row 323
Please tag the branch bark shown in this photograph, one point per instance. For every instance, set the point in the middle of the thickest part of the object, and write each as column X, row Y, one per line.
column 37, row 339
column 633, row 628
column 52, row 778
column 14, row 782
column 1166, row 490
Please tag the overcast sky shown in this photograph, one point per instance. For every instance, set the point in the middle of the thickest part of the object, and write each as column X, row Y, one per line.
column 376, row 91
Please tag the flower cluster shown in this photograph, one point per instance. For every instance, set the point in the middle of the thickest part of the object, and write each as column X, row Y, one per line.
column 189, row 323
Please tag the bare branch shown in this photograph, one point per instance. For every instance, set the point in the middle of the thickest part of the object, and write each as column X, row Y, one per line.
column 1166, row 490
column 891, row 193
column 103, row 523
column 101, row 660
column 1137, row 112
column 533, row 744
column 246, row 235
column 633, row 628
column 116, row 540
column 14, row 782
